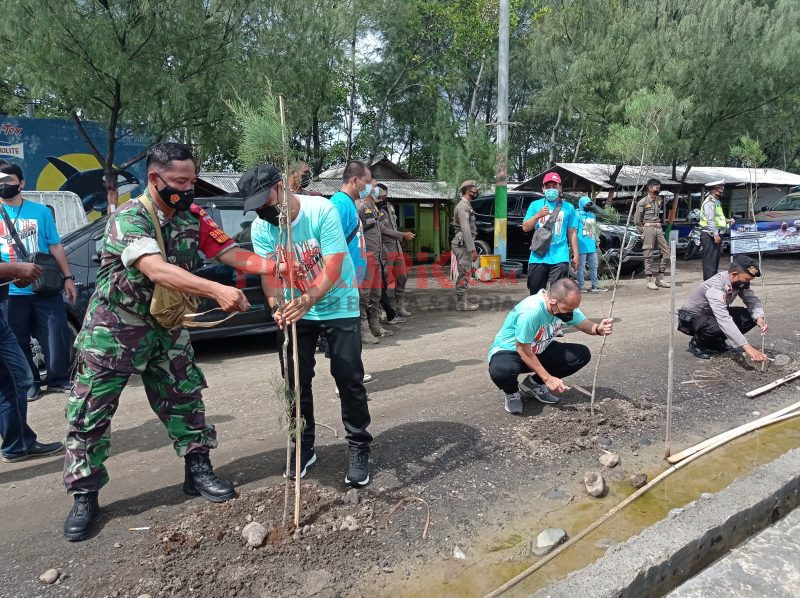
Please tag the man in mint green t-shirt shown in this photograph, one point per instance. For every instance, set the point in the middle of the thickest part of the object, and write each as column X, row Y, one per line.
column 325, row 301
column 525, row 344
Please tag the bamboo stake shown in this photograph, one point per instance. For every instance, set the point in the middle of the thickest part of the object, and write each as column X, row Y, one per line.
column 298, row 440
column 767, row 387
column 673, row 245
column 572, row 541
column 701, row 445
column 637, row 189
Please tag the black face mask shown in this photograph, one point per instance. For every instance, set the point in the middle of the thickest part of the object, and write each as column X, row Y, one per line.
column 588, row 207
column 565, row 316
column 740, row 286
column 7, row 190
column 305, row 181
column 178, row 200
column 271, row 214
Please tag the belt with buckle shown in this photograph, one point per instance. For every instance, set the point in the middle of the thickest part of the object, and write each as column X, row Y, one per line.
column 652, row 224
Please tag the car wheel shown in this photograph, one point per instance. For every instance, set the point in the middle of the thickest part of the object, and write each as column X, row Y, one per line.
column 483, row 249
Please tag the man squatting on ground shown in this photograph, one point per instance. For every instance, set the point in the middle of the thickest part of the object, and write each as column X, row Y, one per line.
column 325, row 301
column 525, row 344
column 709, row 319
column 648, row 222
column 120, row 337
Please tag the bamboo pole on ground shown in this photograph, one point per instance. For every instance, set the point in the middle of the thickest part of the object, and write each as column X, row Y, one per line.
column 688, row 452
column 608, row 515
column 298, row 440
column 673, row 245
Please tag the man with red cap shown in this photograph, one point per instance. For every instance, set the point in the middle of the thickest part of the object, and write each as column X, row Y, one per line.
column 550, row 262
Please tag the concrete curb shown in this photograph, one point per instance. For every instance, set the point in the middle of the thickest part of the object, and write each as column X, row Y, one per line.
column 673, row 550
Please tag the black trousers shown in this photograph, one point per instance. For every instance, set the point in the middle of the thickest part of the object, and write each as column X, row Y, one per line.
column 707, row 332
column 559, row 359
column 539, row 275
column 386, row 303
column 711, row 252
column 344, row 344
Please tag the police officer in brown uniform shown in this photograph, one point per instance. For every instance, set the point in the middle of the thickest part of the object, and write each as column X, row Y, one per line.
column 463, row 243
column 648, row 221
column 395, row 267
column 376, row 257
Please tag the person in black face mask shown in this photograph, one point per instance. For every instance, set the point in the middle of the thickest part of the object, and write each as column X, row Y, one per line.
column 525, row 344
column 323, row 301
column 715, row 326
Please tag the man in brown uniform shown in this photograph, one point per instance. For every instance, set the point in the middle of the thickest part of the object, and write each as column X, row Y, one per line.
column 395, row 271
column 463, row 243
column 648, row 221
column 376, row 257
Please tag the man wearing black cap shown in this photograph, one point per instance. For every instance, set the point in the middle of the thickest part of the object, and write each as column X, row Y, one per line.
column 708, row 318
column 325, row 301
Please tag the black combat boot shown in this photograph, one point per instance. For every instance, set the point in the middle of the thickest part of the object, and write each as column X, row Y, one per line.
column 80, row 521
column 201, row 480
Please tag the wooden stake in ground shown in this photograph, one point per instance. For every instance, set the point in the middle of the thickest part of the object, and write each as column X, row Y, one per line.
column 673, row 244
column 298, row 440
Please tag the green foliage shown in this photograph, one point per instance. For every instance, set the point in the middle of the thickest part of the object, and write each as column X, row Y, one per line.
column 648, row 126
column 261, row 138
column 463, row 155
column 749, row 152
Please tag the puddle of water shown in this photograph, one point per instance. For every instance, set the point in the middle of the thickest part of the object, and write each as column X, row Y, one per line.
column 506, row 554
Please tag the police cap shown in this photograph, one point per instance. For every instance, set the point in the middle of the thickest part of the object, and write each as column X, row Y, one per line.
column 747, row 265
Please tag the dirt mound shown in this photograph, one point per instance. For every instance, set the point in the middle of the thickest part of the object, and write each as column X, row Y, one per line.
column 574, row 428
column 204, row 553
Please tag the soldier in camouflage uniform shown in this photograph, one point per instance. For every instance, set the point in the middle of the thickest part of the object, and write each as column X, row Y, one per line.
column 120, row 338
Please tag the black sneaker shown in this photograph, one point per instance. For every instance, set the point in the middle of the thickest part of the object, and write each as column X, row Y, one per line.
column 698, row 351
column 358, row 469
column 307, row 458
column 39, row 449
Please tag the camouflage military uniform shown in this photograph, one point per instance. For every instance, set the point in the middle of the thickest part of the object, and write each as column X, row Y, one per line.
column 119, row 337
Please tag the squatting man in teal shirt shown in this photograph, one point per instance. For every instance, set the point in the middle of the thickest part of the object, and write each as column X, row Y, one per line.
column 324, row 301
column 524, row 345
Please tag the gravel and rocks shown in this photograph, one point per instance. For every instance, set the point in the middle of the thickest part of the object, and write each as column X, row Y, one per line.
column 548, row 539
column 595, row 484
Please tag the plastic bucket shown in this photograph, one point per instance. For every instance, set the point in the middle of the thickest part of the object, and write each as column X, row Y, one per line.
column 492, row 262
column 512, row 267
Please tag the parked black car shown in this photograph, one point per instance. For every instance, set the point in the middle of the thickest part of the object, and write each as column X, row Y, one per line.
column 82, row 247
column 519, row 242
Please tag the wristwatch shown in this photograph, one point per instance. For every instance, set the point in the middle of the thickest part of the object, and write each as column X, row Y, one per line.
column 70, row 277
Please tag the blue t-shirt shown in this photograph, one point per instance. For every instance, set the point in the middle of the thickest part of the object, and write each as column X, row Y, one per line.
column 349, row 216
column 587, row 235
column 558, row 252
column 316, row 232
column 531, row 324
column 36, row 228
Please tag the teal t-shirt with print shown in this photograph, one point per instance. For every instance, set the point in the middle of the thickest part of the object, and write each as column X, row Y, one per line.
column 316, row 232
column 531, row 324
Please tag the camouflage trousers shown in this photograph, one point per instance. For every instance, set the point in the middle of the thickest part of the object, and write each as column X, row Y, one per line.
column 173, row 384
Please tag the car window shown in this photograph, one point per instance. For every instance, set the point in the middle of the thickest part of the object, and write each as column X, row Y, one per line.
column 787, row 203
column 484, row 205
column 236, row 224
column 522, row 206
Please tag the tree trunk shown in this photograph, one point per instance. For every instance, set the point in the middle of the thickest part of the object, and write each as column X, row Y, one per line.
column 552, row 159
column 352, row 109
column 474, row 101
column 316, row 143
column 613, row 180
column 578, row 145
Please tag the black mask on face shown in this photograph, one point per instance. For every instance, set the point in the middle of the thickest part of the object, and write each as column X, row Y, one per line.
column 271, row 214
column 565, row 316
column 588, row 207
column 178, row 200
column 305, row 180
column 7, row 190
column 740, row 286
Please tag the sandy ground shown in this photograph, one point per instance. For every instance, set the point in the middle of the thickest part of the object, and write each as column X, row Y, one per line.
column 441, row 434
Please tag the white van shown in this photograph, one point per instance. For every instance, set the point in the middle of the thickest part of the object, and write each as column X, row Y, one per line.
column 66, row 207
